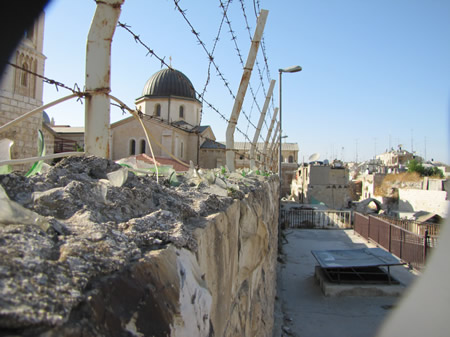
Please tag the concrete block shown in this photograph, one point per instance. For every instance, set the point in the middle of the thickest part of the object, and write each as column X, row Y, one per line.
column 330, row 289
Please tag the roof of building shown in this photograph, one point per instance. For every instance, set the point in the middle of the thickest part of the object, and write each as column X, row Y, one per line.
column 169, row 82
column 68, row 129
column 200, row 128
column 244, row 146
column 45, row 117
column 210, row 144
column 163, row 161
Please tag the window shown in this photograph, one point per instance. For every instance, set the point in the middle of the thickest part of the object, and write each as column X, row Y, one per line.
column 182, row 150
column 24, row 77
column 291, row 159
column 181, row 111
column 241, row 157
column 132, row 147
column 29, row 33
column 258, row 157
column 282, row 159
column 142, row 146
column 157, row 112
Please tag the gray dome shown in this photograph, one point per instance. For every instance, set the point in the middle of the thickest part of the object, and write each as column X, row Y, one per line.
column 45, row 118
column 169, row 82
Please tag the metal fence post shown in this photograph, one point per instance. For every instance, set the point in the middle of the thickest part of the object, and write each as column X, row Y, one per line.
column 425, row 246
column 260, row 122
column 390, row 236
column 269, row 133
column 98, row 77
column 243, row 89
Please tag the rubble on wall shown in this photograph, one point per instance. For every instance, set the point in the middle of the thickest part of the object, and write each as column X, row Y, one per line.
column 90, row 227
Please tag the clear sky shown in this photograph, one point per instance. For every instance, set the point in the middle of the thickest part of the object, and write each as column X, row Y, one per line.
column 376, row 74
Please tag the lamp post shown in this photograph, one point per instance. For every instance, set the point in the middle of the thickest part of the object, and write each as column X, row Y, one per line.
column 292, row 69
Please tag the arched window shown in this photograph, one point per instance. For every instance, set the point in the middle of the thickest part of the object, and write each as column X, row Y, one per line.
column 142, row 146
column 132, row 147
column 181, row 111
column 29, row 33
column 157, row 112
column 291, row 159
column 24, row 77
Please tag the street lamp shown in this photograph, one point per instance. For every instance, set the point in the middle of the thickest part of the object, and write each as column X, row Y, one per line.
column 292, row 69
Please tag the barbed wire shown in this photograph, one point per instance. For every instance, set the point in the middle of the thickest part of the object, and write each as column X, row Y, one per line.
column 210, row 56
column 247, row 26
column 75, row 90
column 201, row 43
column 234, row 39
column 260, row 72
column 216, row 40
column 163, row 62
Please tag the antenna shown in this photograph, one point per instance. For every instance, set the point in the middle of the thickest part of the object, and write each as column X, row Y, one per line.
column 375, row 147
column 425, row 154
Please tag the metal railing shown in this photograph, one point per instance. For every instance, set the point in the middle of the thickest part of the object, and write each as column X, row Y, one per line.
column 305, row 218
column 64, row 145
column 414, row 226
column 408, row 246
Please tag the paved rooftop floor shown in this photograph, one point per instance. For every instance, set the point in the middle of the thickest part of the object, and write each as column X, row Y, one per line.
column 302, row 310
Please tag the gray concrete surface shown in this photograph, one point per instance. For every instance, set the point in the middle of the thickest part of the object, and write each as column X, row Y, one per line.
column 302, row 309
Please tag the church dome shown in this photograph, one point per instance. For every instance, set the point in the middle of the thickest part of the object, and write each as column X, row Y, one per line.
column 169, row 82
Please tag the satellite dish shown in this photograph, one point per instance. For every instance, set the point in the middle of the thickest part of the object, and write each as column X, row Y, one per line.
column 314, row 157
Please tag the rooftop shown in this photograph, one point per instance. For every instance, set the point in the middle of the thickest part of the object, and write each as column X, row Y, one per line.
column 302, row 307
column 260, row 146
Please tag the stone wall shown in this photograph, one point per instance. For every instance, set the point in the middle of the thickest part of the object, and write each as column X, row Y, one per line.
column 144, row 259
column 24, row 134
column 412, row 200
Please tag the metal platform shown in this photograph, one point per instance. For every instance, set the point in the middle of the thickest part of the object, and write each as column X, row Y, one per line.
column 357, row 266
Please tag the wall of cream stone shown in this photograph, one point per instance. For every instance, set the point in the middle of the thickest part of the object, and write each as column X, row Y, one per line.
column 124, row 131
column 423, row 200
column 15, row 100
column 212, row 158
column 227, row 287
column 191, row 109
column 237, row 257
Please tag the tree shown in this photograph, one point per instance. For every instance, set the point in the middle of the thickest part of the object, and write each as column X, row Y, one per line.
column 415, row 166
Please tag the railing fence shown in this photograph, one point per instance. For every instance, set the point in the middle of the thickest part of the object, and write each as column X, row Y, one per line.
column 305, row 218
column 410, row 247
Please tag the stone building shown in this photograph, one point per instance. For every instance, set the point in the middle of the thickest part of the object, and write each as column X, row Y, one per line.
column 289, row 160
column 395, row 160
column 171, row 111
column 319, row 183
column 21, row 92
